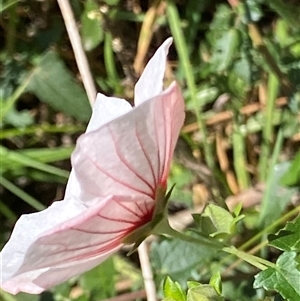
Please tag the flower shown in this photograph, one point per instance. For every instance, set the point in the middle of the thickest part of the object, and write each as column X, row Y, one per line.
column 115, row 190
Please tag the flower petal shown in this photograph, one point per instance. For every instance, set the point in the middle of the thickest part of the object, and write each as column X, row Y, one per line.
column 150, row 83
column 31, row 226
column 106, row 109
column 132, row 154
column 71, row 247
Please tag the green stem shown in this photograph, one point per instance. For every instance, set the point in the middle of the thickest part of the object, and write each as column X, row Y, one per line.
column 21, row 194
column 40, row 128
column 258, row 262
column 164, row 228
column 109, row 62
column 273, row 89
column 174, row 22
column 239, row 159
column 268, row 229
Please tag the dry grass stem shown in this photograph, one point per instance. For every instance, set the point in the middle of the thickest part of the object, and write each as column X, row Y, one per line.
column 79, row 53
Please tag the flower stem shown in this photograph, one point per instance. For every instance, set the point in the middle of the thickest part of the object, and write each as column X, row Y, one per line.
column 164, row 228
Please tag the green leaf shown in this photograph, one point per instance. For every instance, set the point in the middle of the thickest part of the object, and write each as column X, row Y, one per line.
column 173, row 290
column 100, row 281
column 215, row 221
column 288, row 239
column 226, row 48
column 275, row 197
column 18, row 119
column 285, row 278
column 54, row 84
column 177, row 258
column 292, row 176
column 216, row 282
column 203, row 292
column 91, row 30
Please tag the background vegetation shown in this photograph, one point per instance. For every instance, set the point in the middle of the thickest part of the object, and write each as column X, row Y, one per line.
column 238, row 63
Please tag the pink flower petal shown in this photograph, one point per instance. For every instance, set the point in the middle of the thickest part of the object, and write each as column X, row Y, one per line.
column 70, row 247
column 150, row 83
column 132, row 154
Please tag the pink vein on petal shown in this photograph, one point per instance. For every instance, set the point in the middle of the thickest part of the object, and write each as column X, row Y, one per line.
column 115, row 219
column 137, row 134
column 125, row 162
column 107, row 246
column 129, row 210
column 146, row 208
column 98, row 232
column 117, row 180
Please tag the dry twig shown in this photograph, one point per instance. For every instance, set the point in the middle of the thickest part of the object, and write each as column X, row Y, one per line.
column 147, row 272
column 80, row 56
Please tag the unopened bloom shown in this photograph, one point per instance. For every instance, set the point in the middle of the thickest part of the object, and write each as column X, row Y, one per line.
column 120, row 168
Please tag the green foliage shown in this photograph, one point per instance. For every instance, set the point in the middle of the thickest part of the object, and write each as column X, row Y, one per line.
column 287, row 239
column 284, row 278
column 178, row 259
column 99, row 282
column 54, row 85
column 216, row 221
column 91, row 31
column 196, row 291
column 292, row 176
column 173, row 290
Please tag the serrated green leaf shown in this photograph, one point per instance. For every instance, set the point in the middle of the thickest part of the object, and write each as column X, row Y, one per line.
column 285, row 278
column 54, row 84
column 91, row 30
column 203, row 293
column 288, row 239
column 173, row 290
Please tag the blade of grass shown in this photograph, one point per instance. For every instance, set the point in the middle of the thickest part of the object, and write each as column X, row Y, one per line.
column 239, row 159
column 27, row 161
column 7, row 105
column 21, row 194
column 266, row 198
column 7, row 212
column 268, row 132
column 7, row 5
column 174, row 22
column 40, row 128
column 110, row 65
